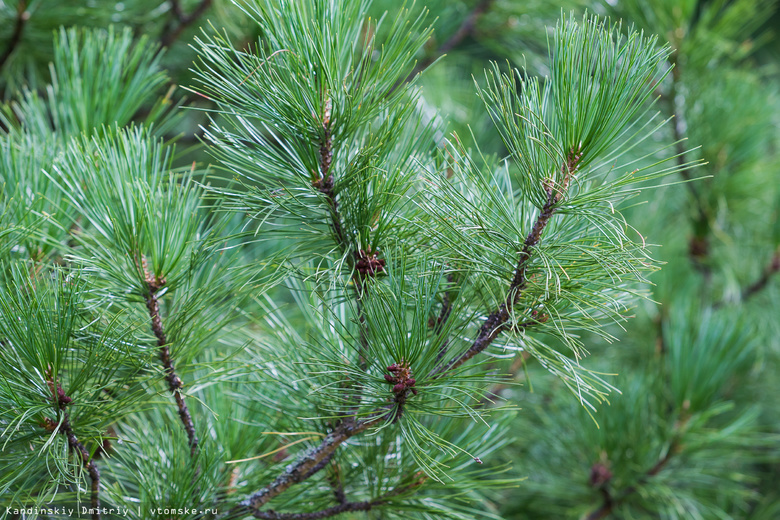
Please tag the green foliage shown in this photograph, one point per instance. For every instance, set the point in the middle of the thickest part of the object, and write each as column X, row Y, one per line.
column 56, row 343
column 109, row 82
column 354, row 312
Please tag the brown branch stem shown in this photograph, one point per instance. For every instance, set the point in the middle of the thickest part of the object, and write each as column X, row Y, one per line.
column 444, row 315
column 61, row 401
column 174, row 382
column 496, row 322
column 344, row 507
column 301, row 469
column 76, row 447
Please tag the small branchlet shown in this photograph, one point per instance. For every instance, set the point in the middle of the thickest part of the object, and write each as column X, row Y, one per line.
column 498, row 320
column 61, row 400
column 326, row 145
column 154, row 283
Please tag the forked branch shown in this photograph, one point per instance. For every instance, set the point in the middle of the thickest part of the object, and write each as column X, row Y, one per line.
column 344, row 507
column 301, row 469
column 498, row 320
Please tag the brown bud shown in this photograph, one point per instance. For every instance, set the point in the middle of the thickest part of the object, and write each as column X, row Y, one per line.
column 599, row 475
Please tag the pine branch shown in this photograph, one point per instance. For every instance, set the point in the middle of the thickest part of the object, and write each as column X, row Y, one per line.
column 497, row 321
column 344, row 507
column 62, row 401
column 77, row 447
column 174, row 381
column 310, row 462
column 184, row 20
column 362, row 263
column 441, row 321
column 22, row 15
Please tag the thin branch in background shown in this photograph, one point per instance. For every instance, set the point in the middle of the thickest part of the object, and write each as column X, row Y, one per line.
column 334, row 478
column 600, row 477
column 763, row 280
column 760, row 284
column 22, row 15
column 497, row 388
column 174, row 382
column 444, row 315
column 698, row 246
column 183, row 20
column 497, row 321
column 466, row 29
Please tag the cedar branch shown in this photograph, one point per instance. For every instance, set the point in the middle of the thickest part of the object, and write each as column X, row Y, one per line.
column 302, row 468
column 496, row 322
column 174, row 381
column 344, row 507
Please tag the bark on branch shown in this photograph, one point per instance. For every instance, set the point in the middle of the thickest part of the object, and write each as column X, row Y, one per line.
column 174, row 382
column 61, row 401
column 76, row 447
column 344, row 507
column 498, row 320
column 301, row 469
